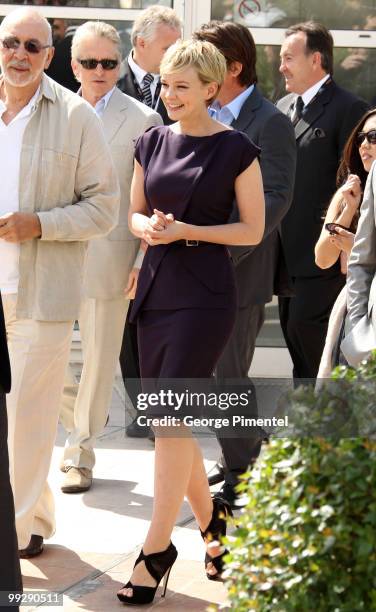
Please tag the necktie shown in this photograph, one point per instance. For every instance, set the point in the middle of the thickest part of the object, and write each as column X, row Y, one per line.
column 297, row 111
column 147, row 98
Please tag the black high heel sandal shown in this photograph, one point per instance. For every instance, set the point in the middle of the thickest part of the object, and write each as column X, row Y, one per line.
column 214, row 531
column 158, row 565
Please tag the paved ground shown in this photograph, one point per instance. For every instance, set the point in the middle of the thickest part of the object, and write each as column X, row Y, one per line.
column 99, row 532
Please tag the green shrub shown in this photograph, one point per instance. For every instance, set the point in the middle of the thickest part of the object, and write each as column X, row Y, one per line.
column 306, row 539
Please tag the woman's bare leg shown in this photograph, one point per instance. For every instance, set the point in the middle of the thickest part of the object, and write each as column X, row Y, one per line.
column 174, row 458
column 199, row 497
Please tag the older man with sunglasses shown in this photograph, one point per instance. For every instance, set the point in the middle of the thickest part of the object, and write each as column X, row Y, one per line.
column 58, row 189
column 111, row 266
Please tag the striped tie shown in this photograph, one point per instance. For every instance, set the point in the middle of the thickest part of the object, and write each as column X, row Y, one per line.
column 297, row 111
column 145, row 89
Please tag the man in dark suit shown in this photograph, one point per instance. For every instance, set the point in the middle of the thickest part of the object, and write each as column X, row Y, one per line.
column 259, row 270
column 10, row 575
column 156, row 29
column 323, row 116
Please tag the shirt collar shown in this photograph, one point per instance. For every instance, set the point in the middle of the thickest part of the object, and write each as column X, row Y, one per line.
column 101, row 105
column 235, row 106
column 138, row 72
column 308, row 95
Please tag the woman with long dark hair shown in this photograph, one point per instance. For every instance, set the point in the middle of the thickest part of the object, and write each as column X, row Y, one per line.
column 337, row 239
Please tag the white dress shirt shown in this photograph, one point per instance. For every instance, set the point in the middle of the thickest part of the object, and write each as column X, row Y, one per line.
column 308, row 95
column 11, row 137
column 230, row 112
column 139, row 74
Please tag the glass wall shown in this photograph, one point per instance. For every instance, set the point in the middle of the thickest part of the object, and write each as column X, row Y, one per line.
column 336, row 14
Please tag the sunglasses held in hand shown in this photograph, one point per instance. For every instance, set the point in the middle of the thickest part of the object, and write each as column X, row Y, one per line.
column 332, row 228
column 31, row 46
column 91, row 64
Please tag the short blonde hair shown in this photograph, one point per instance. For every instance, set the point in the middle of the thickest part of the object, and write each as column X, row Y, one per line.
column 203, row 56
column 95, row 28
column 145, row 25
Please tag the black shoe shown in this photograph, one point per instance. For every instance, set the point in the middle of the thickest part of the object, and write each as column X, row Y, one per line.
column 215, row 532
column 134, row 430
column 158, row 565
column 218, row 476
column 33, row 549
column 228, row 493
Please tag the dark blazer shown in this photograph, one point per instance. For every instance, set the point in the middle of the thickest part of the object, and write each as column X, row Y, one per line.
column 261, row 271
column 4, row 358
column 60, row 68
column 127, row 85
column 320, row 136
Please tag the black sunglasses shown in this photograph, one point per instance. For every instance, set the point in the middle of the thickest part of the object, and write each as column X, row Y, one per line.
column 31, row 46
column 91, row 64
column 370, row 137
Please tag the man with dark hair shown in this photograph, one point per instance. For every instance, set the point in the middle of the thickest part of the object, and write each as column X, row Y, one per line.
column 323, row 116
column 10, row 575
column 259, row 269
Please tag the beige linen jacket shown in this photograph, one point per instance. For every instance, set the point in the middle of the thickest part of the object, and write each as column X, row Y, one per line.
column 67, row 177
column 111, row 258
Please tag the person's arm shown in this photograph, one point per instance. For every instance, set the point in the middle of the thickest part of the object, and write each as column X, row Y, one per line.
column 277, row 161
column 329, row 247
column 249, row 229
column 362, row 264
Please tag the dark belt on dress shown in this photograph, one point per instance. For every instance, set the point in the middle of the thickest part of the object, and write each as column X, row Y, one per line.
column 191, row 243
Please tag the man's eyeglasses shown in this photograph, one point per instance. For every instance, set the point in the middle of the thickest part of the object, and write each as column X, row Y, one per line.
column 31, row 46
column 91, row 64
column 370, row 137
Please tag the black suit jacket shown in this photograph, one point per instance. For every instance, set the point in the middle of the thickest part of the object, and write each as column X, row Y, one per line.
column 320, row 136
column 261, row 270
column 4, row 358
column 127, row 85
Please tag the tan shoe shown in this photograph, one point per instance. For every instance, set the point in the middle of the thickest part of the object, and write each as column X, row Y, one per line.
column 77, row 480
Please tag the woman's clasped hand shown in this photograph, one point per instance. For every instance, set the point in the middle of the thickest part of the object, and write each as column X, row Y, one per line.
column 162, row 229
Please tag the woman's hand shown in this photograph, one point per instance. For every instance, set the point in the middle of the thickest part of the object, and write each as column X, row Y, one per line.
column 343, row 240
column 130, row 290
column 159, row 221
column 172, row 232
column 352, row 192
column 155, row 231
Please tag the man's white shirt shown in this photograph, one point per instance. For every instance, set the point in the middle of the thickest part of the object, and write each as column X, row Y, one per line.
column 11, row 137
column 308, row 95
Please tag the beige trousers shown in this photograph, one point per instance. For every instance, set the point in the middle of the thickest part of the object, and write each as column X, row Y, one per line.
column 39, row 353
column 85, row 406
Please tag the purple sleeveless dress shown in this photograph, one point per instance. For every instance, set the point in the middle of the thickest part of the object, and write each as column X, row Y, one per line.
column 185, row 304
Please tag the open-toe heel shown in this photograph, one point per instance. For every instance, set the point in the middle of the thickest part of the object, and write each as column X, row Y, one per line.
column 214, row 532
column 159, row 566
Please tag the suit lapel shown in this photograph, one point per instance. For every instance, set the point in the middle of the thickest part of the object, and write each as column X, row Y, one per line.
column 248, row 110
column 127, row 85
column 314, row 110
column 114, row 115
